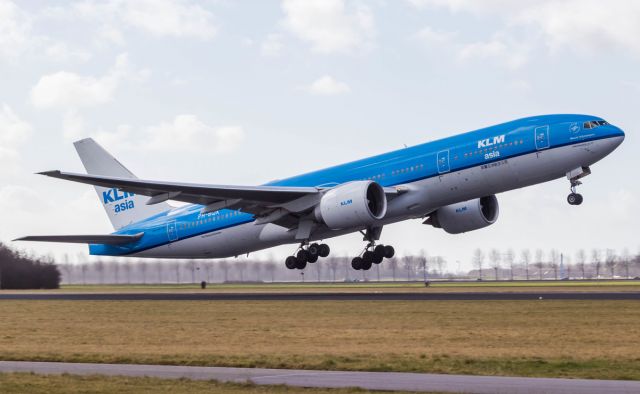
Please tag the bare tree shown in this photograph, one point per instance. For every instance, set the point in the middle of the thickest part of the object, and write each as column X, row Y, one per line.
column 191, row 266
column 393, row 264
column 159, row 268
column 176, row 267
column 595, row 260
column 581, row 260
column 318, row 271
column 256, row 267
column 610, row 261
column 526, row 259
column 241, row 266
column 539, row 264
column 333, row 266
column 224, row 266
column 126, row 265
column 478, row 261
column 553, row 257
column 270, row 267
column 99, row 267
column 494, row 256
column 509, row 258
column 625, row 261
column 142, row 266
column 408, row 266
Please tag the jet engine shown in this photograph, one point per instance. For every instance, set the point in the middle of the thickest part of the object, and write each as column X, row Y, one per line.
column 466, row 216
column 354, row 204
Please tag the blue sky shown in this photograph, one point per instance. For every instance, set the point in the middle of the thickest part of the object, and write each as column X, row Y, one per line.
column 241, row 92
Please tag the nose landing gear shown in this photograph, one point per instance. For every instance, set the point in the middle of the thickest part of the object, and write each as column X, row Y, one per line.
column 575, row 198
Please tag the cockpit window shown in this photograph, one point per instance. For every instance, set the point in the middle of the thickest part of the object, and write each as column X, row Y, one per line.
column 592, row 124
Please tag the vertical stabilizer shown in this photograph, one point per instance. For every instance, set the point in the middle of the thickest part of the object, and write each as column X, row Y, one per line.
column 123, row 208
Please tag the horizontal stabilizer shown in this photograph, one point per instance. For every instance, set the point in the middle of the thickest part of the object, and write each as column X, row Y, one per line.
column 104, row 239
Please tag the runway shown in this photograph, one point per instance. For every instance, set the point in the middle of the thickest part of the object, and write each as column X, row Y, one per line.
column 336, row 379
column 333, row 296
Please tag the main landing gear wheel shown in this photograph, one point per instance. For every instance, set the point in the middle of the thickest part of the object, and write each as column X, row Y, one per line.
column 356, row 263
column 373, row 254
column 574, row 199
column 307, row 254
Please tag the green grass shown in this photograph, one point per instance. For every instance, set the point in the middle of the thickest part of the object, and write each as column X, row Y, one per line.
column 586, row 339
column 489, row 286
column 23, row 383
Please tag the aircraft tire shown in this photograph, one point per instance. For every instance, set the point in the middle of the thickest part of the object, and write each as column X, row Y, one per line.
column 378, row 254
column 312, row 258
column 367, row 257
column 302, row 255
column 389, row 251
column 291, row 262
column 313, row 250
column 301, row 264
column 356, row 263
column 324, row 250
column 366, row 265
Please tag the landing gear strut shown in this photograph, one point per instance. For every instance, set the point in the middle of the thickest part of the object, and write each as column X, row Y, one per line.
column 372, row 254
column 575, row 198
column 307, row 254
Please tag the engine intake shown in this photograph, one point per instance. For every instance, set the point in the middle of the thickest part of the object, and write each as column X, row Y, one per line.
column 466, row 216
column 354, row 204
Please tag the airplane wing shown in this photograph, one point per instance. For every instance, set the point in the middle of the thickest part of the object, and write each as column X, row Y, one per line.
column 268, row 203
column 108, row 239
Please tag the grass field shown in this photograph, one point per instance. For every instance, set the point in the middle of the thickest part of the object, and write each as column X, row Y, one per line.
column 590, row 339
column 22, row 383
column 485, row 286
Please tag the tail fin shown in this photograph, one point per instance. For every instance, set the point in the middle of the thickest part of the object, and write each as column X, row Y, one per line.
column 123, row 208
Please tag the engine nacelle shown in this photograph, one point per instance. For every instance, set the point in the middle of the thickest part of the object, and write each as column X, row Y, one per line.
column 359, row 203
column 466, row 216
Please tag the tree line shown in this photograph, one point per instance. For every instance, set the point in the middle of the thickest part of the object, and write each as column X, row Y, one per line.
column 22, row 271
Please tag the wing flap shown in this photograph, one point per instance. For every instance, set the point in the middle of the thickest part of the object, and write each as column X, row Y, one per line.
column 104, row 239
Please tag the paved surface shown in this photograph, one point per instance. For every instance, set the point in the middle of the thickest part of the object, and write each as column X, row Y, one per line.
column 334, row 379
column 321, row 296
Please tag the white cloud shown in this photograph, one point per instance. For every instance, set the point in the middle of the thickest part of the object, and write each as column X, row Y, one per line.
column 512, row 55
column 272, row 45
column 434, row 37
column 188, row 133
column 65, row 89
column 61, row 52
column 588, row 26
column 15, row 30
column 328, row 86
column 169, row 18
column 329, row 25
column 13, row 130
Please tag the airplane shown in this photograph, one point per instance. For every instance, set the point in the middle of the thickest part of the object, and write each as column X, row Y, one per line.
column 450, row 184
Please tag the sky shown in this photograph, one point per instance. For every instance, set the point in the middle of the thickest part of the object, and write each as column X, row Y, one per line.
column 243, row 92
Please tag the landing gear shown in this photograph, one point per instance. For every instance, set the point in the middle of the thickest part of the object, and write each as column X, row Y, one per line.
column 574, row 199
column 574, row 177
column 372, row 254
column 307, row 254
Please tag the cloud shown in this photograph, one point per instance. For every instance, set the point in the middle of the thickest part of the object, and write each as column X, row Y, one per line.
column 328, row 86
column 184, row 133
column 164, row 18
column 432, row 37
column 13, row 130
column 586, row 26
column 505, row 52
column 65, row 89
column 329, row 25
column 61, row 52
column 15, row 30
